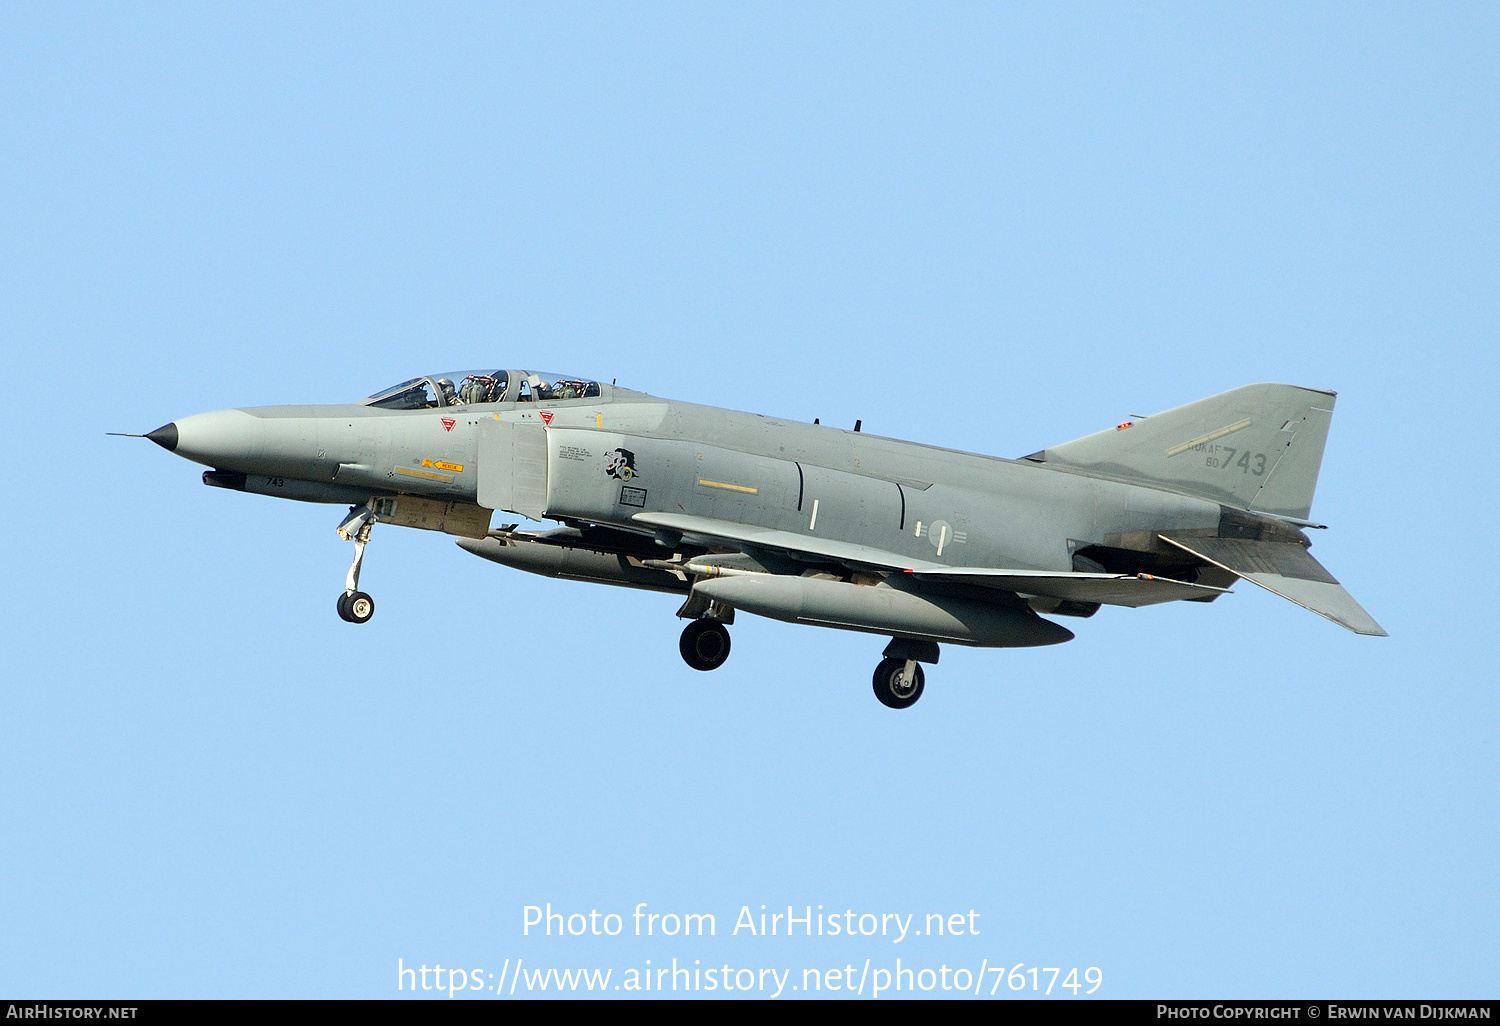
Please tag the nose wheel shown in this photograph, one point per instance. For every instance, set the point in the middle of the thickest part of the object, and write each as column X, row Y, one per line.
column 704, row 644
column 356, row 606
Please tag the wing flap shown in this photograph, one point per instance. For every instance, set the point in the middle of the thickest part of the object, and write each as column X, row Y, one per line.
column 1286, row 569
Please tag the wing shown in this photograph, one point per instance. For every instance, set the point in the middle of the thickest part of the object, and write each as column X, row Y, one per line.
column 1110, row 589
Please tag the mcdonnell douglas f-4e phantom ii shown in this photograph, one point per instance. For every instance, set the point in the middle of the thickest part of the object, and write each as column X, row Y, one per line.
column 803, row 522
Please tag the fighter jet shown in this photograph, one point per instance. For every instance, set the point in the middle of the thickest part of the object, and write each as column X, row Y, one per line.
column 807, row 523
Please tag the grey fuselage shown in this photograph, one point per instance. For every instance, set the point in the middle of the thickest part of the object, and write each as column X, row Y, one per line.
column 609, row 460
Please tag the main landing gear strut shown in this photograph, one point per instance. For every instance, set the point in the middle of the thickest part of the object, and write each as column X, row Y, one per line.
column 354, row 605
column 705, row 641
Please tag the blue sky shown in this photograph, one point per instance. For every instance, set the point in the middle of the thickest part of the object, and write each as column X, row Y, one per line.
column 981, row 227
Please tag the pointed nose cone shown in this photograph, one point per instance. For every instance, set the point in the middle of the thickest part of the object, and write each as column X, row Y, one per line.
column 165, row 436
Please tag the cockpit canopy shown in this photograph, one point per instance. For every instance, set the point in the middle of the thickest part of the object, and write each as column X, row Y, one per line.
column 469, row 388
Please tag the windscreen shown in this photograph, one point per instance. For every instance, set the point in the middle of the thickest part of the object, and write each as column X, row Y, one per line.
column 455, row 388
column 469, row 388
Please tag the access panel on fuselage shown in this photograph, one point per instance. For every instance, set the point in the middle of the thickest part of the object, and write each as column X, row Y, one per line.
column 850, row 507
column 513, row 465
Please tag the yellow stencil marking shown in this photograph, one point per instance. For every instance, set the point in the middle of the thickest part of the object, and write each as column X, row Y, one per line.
column 729, row 487
column 422, row 473
column 1231, row 429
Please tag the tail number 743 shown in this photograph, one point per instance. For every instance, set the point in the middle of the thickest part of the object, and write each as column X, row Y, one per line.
column 1222, row 457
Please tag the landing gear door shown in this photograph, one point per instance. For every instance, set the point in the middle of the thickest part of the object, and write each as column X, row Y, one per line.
column 513, row 465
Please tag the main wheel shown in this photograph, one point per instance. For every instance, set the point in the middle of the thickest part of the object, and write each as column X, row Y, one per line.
column 344, row 607
column 889, row 688
column 704, row 644
column 361, row 607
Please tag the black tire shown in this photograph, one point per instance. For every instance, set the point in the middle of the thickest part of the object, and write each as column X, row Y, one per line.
column 344, row 607
column 704, row 644
column 361, row 607
column 887, row 689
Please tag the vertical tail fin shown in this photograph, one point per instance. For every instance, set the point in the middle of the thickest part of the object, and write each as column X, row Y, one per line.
column 1258, row 447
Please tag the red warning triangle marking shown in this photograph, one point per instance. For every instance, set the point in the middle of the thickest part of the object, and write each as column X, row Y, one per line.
column 448, row 423
column 546, row 416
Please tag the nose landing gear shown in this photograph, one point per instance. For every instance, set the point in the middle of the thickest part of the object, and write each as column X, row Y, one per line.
column 354, row 605
column 357, row 607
